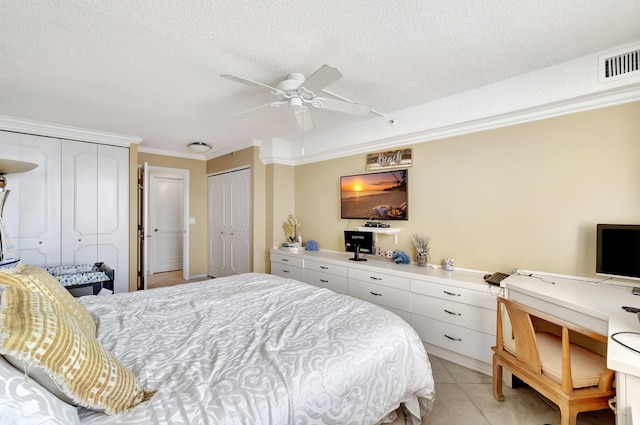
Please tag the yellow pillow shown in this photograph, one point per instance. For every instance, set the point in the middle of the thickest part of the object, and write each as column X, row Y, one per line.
column 34, row 279
column 42, row 334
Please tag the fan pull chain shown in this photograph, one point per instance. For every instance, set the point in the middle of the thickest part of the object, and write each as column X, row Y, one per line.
column 302, row 134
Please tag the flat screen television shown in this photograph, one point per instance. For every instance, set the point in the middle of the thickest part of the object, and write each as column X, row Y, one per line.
column 618, row 250
column 375, row 196
column 358, row 242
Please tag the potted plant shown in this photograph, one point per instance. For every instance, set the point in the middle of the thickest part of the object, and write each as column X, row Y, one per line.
column 290, row 228
column 421, row 243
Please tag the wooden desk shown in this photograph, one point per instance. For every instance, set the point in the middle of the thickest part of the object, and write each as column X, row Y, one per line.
column 596, row 307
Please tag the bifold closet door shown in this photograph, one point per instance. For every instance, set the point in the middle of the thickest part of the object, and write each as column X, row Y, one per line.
column 229, row 225
column 32, row 212
column 95, row 208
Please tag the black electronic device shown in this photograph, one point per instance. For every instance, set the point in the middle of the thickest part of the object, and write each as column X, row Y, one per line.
column 358, row 243
column 618, row 250
column 495, row 278
column 380, row 195
column 376, row 224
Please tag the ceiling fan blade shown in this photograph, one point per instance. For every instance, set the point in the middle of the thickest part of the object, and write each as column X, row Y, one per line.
column 305, row 122
column 320, row 79
column 259, row 108
column 341, row 106
column 249, row 82
column 337, row 96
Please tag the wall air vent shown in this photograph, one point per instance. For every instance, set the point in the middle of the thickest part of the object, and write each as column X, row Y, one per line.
column 620, row 64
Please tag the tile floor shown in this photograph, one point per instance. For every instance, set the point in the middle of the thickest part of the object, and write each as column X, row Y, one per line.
column 464, row 397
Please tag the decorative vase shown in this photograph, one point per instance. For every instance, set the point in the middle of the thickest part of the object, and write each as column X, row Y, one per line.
column 422, row 260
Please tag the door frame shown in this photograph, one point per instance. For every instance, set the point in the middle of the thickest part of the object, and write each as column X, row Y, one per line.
column 151, row 169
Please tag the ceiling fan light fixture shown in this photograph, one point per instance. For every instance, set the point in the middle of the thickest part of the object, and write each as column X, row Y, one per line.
column 199, row 147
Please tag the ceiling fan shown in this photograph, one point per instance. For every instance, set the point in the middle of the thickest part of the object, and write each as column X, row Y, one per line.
column 298, row 92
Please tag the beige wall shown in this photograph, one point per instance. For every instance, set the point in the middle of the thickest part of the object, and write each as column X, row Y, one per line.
column 527, row 196
column 197, row 206
column 283, row 202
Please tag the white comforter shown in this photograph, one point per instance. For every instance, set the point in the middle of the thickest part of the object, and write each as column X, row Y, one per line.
column 259, row 349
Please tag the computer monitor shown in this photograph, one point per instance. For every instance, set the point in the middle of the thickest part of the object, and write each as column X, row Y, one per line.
column 618, row 250
column 358, row 242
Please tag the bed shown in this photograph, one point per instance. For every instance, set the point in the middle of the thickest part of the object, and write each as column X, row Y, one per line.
column 260, row 349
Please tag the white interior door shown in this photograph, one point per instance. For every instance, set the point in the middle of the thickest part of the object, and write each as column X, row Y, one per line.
column 166, row 222
column 148, row 212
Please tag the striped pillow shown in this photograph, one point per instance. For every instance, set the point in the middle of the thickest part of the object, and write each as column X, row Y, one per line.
column 34, row 279
column 38, row 333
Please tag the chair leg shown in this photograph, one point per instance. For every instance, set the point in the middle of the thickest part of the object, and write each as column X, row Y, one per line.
column 568, row 416
column 497, row 380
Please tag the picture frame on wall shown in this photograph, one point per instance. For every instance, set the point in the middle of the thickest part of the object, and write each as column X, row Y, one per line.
column 399, row 158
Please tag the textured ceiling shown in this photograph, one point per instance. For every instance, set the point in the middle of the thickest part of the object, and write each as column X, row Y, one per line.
column 151, row 68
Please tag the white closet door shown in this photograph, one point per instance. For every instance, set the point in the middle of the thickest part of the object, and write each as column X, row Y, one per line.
column 80, row 203
column 217, row 226
column 95, row 209
column 113, row 212
column 32, row 213
column 229, row 223
column 239, row 230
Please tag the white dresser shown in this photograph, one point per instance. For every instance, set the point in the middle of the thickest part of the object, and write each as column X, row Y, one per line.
column 453, row 312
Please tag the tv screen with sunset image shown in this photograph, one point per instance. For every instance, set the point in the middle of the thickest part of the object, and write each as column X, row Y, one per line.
column 374, row 196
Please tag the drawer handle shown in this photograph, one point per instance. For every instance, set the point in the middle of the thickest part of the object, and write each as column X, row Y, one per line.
column 452, row 338
column 375, row 278
column 453, row 313
column 376, row 294
column 285, row 259
column 324, row 281
column 285, row 271
column 453, row 294
column 324, row 267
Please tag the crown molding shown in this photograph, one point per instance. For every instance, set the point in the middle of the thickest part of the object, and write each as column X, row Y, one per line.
column 38, row 128
column 142, row 149
column 585, row 103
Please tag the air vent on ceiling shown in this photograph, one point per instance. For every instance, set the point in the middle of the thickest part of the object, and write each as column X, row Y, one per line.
column 620, row 64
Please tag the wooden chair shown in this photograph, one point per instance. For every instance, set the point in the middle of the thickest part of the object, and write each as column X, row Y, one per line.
column 571, row 376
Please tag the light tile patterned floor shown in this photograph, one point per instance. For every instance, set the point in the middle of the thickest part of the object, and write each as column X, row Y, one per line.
column 464, row 396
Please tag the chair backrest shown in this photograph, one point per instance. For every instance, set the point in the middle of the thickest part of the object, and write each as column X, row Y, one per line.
column 524, row 335
column 527, row 348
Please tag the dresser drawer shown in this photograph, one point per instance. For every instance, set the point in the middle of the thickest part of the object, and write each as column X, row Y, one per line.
column 287, row 259
column 325, row 268
column 324, row 280
column 468, row 316
column 378, row 294
column 286, row 270
column 461, row 340
column 380, row 278
column 480, row 298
